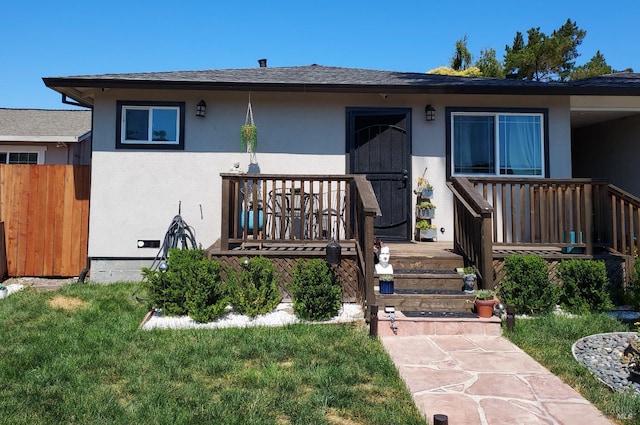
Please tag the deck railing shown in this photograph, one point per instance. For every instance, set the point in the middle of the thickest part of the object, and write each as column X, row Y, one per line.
column 302, row 209
column 278, row 208
column 625, row 221
column 579, row 215
column 472, row 229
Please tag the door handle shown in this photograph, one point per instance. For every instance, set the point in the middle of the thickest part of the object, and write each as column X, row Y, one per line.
column 405, row 177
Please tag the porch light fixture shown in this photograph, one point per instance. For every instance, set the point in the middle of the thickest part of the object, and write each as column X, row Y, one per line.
column 430, row 113
column 333, row 252
column 201, row 109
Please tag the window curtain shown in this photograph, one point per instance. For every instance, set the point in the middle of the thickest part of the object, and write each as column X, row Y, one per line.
column 520, row 145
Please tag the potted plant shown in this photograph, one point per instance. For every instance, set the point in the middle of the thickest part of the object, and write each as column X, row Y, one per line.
column 424, row 188
column 249, row 132
column 386, row 283
column 425, row 210
column 469, row 279
column 426, row 230
column 3, row 291
column 485, row 302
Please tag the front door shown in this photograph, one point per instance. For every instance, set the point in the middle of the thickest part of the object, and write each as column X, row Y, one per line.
column 379, row 142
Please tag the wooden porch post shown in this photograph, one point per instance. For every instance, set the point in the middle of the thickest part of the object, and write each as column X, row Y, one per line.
column 224, row 219
column 486, row 252
column 369, row 263
column 588, row 218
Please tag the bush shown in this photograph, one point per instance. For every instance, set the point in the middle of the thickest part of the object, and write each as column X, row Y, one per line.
column 632, row 292
column 191, row 285
column 584, row 286
column 527, row 286
column 256, row 289
column 316, row 293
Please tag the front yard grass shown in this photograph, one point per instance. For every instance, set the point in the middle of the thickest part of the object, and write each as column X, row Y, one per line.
column 548, row 339
column 76, row 355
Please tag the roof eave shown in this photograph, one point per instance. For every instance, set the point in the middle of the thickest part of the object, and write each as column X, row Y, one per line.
column 70, row 86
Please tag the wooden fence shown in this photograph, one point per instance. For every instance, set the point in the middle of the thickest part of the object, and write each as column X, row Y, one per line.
column 45, row 210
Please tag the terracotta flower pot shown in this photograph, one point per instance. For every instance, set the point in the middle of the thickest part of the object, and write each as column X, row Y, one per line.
column 484, row 308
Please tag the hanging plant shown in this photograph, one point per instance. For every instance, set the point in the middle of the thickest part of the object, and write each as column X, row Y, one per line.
column 249, row 132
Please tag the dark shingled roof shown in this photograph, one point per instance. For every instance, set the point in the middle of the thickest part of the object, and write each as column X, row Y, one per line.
column 29, row 124
column 316, row 78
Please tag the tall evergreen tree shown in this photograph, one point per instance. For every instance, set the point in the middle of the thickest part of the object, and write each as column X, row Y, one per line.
column 461, row 59
column 596, row 66
column 489, row 65
column 544, row 58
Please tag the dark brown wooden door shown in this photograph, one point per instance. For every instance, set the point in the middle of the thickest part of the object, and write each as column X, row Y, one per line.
column 380, row 148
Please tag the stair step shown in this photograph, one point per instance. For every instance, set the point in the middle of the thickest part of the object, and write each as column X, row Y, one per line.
column 459, row 302
column 427, row 279
column 406, row 325
column 418, row 262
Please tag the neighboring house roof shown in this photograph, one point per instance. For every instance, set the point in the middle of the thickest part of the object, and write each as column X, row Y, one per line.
column 316, row 78
column 42, row 125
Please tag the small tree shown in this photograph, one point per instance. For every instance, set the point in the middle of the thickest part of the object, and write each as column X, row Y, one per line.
column 316, row 292
column 527, row 286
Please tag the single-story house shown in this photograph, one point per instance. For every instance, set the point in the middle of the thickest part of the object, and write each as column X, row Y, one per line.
column 40, row 136
column 163, row 141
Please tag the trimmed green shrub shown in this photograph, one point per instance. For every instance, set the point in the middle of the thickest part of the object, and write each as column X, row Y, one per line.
column 584, row 286
column 527, row 286
column 191, row 285
column 256, row 287
column 632, row 292
column 316, row 293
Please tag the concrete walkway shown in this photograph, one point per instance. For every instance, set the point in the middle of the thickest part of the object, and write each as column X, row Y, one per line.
column 487, row 380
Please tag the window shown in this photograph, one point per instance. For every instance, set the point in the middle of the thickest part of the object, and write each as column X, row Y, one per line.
column 22, row 154
column 158, row 125
column 498, row 143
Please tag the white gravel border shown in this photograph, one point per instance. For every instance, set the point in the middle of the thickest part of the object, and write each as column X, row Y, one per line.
column 12, row 289
column 283, row 315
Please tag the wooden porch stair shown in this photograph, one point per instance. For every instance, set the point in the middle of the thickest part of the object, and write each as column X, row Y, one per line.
column 428, row 297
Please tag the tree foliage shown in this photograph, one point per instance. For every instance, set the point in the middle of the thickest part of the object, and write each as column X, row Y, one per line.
column 544, row 57
column 445, row 70
column 489, row 65
column 596, row 66
column 540, row 57
column 461, row 59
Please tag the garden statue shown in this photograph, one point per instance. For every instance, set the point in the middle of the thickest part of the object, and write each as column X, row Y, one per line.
column 383, row 266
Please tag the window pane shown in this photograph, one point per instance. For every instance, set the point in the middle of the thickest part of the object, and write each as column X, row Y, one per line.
column 3, row 158
column 474, row 144
column 23, row 158
column 164, row 125
column 520, row 145
column 137, row 124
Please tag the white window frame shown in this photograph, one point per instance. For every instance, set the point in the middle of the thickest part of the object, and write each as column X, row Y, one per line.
column 497, row 115
column 25, row 149
column 148, row 143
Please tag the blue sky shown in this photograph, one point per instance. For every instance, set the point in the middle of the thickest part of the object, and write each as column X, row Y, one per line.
column 63, row 38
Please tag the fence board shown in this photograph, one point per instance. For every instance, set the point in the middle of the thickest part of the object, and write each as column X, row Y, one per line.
column 45, row 209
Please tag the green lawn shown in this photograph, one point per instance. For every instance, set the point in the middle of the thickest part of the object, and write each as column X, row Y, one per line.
column 548, row 339
column 77, row 356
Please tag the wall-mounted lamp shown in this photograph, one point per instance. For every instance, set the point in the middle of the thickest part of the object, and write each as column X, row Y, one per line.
column 430, row 113
column 201, row 109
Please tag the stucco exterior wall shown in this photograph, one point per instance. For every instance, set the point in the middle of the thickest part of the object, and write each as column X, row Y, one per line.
column 603, row 151
column 136, row 193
